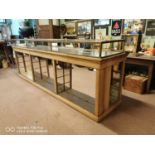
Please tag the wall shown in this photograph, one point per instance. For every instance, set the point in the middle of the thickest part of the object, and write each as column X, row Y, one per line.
column 16, row 23
column 56, row 22
column 149, row 40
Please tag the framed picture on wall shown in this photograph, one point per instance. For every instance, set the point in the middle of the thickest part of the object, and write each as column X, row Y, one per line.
column 116, row 27
column 71, row 27
column 102, row 22
column 84, row 26
column 100, row 33
column 150, row 30
column 70, row 20
column 134, row 26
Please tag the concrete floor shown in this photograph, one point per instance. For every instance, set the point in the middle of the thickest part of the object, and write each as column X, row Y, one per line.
column 25, row 109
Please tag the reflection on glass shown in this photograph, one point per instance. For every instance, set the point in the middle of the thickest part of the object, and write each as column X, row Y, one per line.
column 72, row 51
column 115, row 83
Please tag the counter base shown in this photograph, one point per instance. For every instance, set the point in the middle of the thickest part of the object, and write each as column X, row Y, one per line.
column 73, row 105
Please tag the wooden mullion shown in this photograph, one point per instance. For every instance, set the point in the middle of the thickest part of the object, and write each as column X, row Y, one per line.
column 70, row 71
column 63, row 73
column 55, row 76
column 41, row 75
column 17, row 62
column 32, row 68
column 47, row 68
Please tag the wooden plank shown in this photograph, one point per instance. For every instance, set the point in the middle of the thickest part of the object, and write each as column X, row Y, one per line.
column 99, row 92
column 41, row 74
column 150, row 74
column 24, row 63
column 47, row 68
column 17, row 61
column 32, row 68
column 107, row 84
column 70, row 76
column 122, row 77
column 63, row 73
column 55, row 76
column 103, row 80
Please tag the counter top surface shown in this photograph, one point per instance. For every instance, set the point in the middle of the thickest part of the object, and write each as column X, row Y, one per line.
column 141, row 56
column 94, row 53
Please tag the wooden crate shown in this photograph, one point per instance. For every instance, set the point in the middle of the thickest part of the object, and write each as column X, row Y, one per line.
column 135, row 83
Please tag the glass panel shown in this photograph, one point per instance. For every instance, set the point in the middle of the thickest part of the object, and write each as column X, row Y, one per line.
column 116, row 83
column 80, row 93
column 25, row 65
column 76, row 51
column 87, row 48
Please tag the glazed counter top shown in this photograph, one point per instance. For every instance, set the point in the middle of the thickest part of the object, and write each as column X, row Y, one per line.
column 93, row 53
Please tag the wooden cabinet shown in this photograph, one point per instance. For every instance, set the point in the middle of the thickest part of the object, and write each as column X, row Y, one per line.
column 46, row 29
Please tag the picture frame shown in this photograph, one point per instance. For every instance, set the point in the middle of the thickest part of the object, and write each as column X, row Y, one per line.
column 99, row 32
column 84, row 26
column 132, row 26
column 116, row 27
column 150, row 29
column 70, row 20
column 71, row 28
column 102, row 22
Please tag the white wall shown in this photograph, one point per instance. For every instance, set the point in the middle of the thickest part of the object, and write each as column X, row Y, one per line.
column 15, row 26
column 150, row 40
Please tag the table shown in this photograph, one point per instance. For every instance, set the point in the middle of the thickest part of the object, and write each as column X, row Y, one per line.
column 143, row 60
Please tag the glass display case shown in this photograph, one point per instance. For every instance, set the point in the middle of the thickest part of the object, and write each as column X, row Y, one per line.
column 62, row 46
column 51, row 64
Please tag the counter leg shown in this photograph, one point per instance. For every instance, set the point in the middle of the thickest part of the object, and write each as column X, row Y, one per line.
column 150, row 73
column 122, row 78
column 103, row 83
